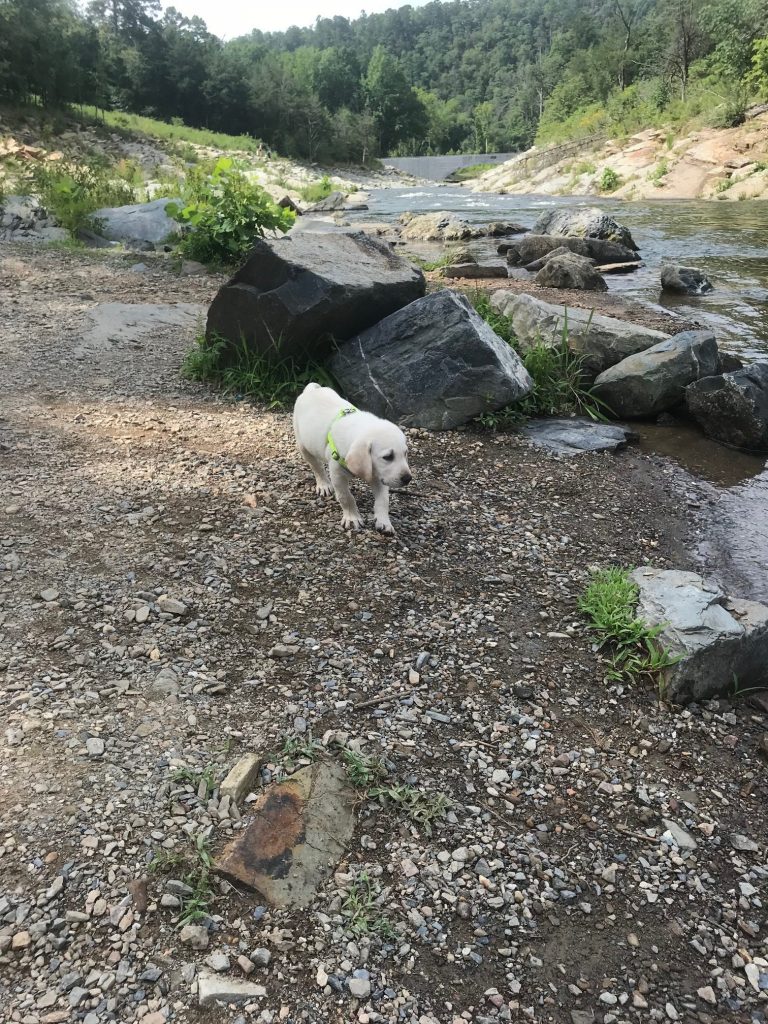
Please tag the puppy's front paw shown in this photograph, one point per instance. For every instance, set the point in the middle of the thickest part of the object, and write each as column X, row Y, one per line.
column 323, row 490
column 384, row 526
column 352, row 523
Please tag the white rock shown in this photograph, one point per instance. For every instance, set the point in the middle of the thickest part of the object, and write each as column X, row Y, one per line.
column 212, row 988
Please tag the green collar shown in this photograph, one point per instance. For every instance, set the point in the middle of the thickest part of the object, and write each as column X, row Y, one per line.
column 331, row 443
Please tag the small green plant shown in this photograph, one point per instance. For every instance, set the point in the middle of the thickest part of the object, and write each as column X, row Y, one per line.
column 72, row 193
column 317, row 190
column 194, row 865
column 362, row 771
column 296, row 748
column 361, row 908
column 498, row 323
column 659, row 172
column 724, row 185
column 584, row 167
column 445, row 260
column 609, row 180
column 241, row 370
column 225, row 214
column 631, row 646
column 470, row 172
column 208, row 776
column 423, row 808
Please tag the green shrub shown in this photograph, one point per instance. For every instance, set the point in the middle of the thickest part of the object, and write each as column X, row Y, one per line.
column 317, row 190
column 72, row 193
column 473, row 171
column 584, row 167
column 609, row 180
column 659, row 172
column 225, row 214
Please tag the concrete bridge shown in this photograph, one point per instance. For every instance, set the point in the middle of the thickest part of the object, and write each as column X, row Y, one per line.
column 438, row 168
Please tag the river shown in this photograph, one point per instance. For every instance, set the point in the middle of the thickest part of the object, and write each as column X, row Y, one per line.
column 729, row 242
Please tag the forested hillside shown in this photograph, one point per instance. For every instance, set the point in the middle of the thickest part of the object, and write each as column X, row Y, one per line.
column 466, row 75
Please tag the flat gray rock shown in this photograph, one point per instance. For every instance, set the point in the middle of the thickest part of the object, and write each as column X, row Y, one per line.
column 213, row 988
column 434, row 364
column 576, row 436
column 601, row 341
column 114, row 322
column 717, row 639
column 146, row 223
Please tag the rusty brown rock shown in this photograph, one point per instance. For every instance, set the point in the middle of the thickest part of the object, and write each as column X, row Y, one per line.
column 297, row 832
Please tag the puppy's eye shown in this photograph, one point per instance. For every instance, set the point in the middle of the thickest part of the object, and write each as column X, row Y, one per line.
column 388, row 457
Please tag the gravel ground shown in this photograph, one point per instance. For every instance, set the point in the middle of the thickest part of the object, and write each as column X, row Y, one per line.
column 173, row 596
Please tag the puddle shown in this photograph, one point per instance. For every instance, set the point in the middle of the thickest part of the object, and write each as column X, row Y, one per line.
column 733, row 537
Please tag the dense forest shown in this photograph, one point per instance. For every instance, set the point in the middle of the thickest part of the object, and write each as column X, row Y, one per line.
column 465, row 75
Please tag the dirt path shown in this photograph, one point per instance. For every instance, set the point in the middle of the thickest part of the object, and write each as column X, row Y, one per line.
column 551, row 892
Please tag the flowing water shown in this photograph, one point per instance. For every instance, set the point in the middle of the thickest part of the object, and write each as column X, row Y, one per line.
column 729, row 242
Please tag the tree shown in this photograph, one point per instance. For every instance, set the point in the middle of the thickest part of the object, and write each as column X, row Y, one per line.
column 394, row 105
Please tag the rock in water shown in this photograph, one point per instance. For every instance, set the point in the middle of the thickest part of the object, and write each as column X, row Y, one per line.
column 583, row 222
column 139, row 223
column 532, row 248
column 576, row 435
column 293, row 295
column 716, row 638
column 655, row 380
column 601, row 341
column 435, row 364
column 443, row 226
column 571, row 271
column 733, row 407
column 685, row 280
column 297, row 834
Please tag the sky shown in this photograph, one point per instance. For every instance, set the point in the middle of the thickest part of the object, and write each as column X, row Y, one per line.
column 230, row 18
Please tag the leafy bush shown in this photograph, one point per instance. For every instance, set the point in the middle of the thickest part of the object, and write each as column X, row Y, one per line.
column 472, row 171
column 317, row 190
column 659, row 172
column 609, row 180
column 225, row 213
column 238, row 369
column 72, row 193
column 584, row 167
column 631, row 645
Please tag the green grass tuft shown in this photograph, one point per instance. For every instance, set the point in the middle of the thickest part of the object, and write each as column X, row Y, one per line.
column 317, row 190
column 630, row 645
column 362, row 910
column 473, row 171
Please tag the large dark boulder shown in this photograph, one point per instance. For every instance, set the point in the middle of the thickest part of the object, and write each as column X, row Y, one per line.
column 434, row 364
column 535, row 247
column 294, row 295
column 655, row 380
column 583, row 222
column 684, row 280
column 571, row 271
column 733, row 407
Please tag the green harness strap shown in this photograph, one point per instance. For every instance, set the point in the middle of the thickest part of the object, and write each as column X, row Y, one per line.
column 331, row 443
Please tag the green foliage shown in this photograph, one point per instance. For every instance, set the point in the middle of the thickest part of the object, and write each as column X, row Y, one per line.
column 72, row 193
column 584, row 167
column 631, row 648
column 659, row 172
column 194, row 866
column 238, row 369
column 317, row 190
column 470, row 172
column 609, row 180
column 225, row 213
column 362, row 909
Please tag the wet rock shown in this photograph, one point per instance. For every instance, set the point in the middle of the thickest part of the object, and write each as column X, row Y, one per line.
column 652, row 381
column 583, row 222
column 298, row 830
column 571, row 271
column 560, row 250
column 716, row 638
column 536, row 249
column 576, row 436
column 473, row 270
column 435, row 364
column 212, row 988
column 601, row 341
column 442, row 226
column 733, row 407
column 684, row 280
column 308, row 288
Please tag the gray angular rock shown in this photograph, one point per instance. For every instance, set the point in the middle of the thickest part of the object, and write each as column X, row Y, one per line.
column 601, row 341
column 213, row 988
column 576, row 436
column 684, row 280
column 717, row 639
column 733, row 407
column 332, row 202
column 293, row 295
column 143, row 223
column 532, row 248
column 571, row 271
column 561, row 250
column 443, row 226
column 435, row 364
column 652, row 381
column 583, row 222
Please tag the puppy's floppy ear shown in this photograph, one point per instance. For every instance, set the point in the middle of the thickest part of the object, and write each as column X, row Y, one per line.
column 359, row 462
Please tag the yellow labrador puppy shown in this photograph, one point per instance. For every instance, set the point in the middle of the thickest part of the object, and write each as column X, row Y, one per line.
column 329, row 431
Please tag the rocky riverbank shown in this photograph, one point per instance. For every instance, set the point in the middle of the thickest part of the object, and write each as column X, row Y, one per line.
column 173, row 596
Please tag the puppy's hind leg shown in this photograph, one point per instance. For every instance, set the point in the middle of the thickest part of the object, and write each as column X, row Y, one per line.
column 323, row 485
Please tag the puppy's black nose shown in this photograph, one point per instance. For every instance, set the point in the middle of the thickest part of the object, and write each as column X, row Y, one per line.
column 405, row 479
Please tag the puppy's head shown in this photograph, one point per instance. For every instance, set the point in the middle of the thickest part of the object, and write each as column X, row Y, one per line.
column 382, row 455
